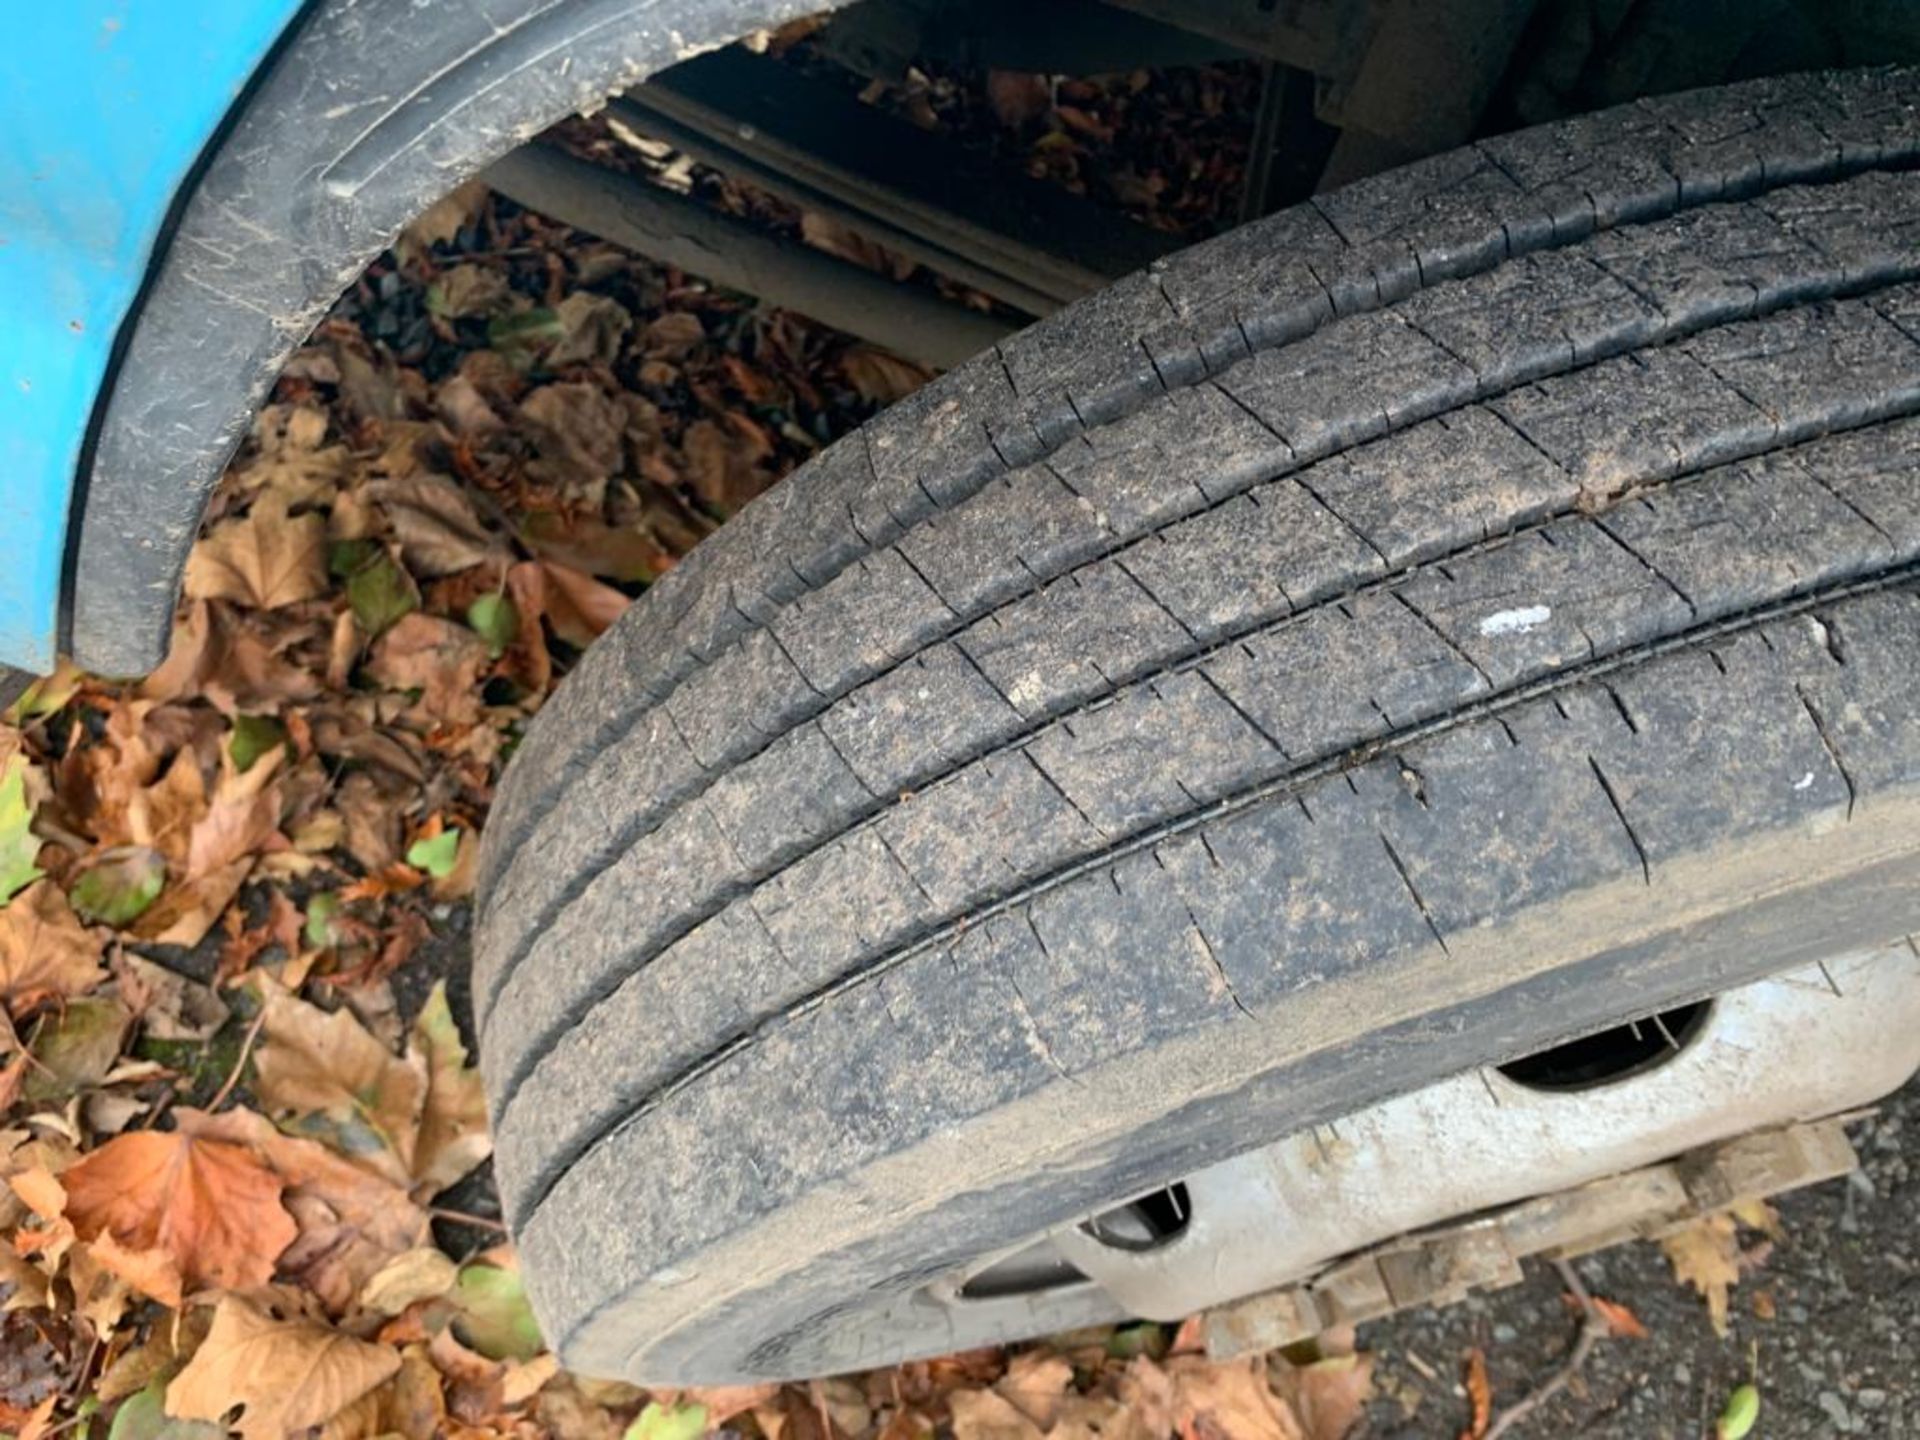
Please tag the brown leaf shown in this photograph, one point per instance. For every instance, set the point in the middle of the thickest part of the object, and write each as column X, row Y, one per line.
column 579, row 429
column 435, row 523
column 331, row 1080
column 212, row 1208
column 37, row 1421
column 825, row 233
column 169, row 1006
column 44, row 949
column 23, row 1285
column 1329, row 1395
column 591, row 545
column 46, row 1199
column 1035, row 1382
column 578, row 607
column 241, row 816
column 1622, row 1323
column 267, row 559
column 210, row 842
column 1479, row 1395
column 74, row 1047
column 219, row 655
column 162, row 815
column 286, row 1370
column 370, row 384
column 99, row 783
column 442, row 221
column 723, row 1402
column 592, row 328
column 422, row 1273
column 154, row 1273
column 470, row 290
column 291, row 461
column 673, row 334
column 1706, row 1255
column 412, row 1403
column 460, row 403
column 723, row 464
column 1018, row 96
column 989, row 1415
column 342, row 732
column 453, row 1136
column 352, row 1222
column 1232, row 1401
column 880, row 377
column 184, row 913
column 440, row 659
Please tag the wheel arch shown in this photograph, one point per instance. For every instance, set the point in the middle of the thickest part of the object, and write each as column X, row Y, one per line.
column 366, row 115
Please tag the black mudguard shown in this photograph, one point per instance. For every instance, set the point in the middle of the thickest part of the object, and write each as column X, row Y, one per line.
column 372, row 110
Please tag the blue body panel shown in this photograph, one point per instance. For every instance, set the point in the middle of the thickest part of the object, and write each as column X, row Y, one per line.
column 104, row 107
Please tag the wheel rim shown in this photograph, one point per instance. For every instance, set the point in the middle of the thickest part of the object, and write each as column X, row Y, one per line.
column 1814, row 1041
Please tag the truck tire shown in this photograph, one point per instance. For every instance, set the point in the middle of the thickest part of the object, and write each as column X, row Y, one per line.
column 1468, row 610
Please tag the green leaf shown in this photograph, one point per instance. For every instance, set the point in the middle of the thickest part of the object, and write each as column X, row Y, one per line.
column 143, row 1416
column 519, row 336
column 437, row 855
column 1739, row 1417
column 48, row 694
column 19, row 846
column 1129, row 1341
column 495, row 620
column 119, row 889
column 75, row 1046
column 254, row 736
column 492, row 1315
column 380, row 593
column 659, row 1422
column 346, row 556
column 321, row 909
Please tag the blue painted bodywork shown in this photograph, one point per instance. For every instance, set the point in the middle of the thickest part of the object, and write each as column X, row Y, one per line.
column 105, row 105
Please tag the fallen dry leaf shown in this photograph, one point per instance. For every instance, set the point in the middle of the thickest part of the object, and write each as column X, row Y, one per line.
column 435, row 523
column 989, row 1415
column 267, row 559
column 330, row 1080
column 422, row 1273
column 209, row 842
column 578, row 607
column 1705, row 1254
column 578, row 429
column 1622, row 1323
column 1018, row 96
column 1329, row 1395
column 223, row 656
column 352, row 1222
column 592, row 328
column 212, row 1208
column 879, row 376
column 411, row 1404
column 1233, row 1401
column 437, row 657
column 241, row 816
column 45, row 951
column 168, row 1005
column 1479, row 1395
column 46, row 1199
column 284, row 1370
column 453, row 1136
column 1035, row 1382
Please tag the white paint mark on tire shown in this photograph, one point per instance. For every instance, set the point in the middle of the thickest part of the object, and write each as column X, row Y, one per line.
column 1516, row 622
